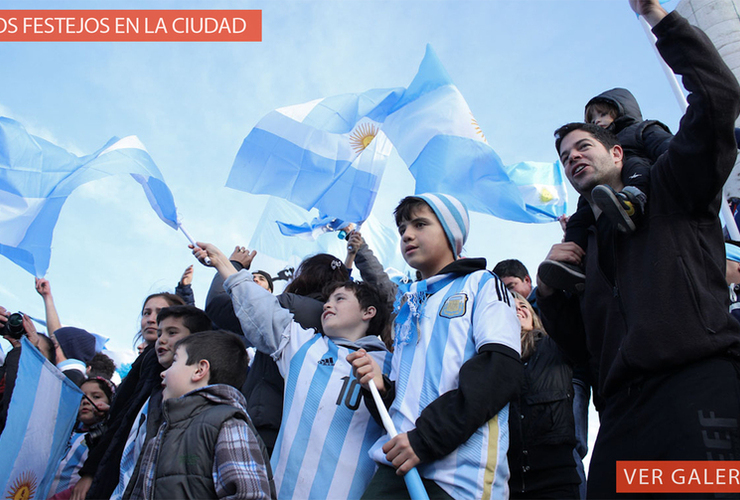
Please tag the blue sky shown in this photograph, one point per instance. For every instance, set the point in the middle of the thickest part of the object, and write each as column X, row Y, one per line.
column 524, row 66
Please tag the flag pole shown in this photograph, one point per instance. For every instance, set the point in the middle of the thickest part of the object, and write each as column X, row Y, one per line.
column 725, row 210
column 412, row 478
column 192, row 241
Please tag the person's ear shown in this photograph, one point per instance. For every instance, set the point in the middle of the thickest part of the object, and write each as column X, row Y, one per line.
column 528, row 280
column 369, row 313
column 617, row 153
column 202, row 370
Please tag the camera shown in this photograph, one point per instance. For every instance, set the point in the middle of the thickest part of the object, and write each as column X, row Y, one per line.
column 14, row 326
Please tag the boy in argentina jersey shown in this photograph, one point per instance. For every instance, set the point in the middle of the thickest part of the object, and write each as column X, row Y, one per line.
column 325, row 434
column 455, row 365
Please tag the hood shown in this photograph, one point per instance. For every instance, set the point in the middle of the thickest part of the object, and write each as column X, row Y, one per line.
column 219, row 394
column 369, row 343
column 464, row 266
column 625, row 102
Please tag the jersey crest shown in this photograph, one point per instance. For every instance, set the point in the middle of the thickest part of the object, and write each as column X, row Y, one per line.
column 455, row 306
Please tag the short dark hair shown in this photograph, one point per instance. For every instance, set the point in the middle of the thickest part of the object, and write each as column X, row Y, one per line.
column 600, row 106
column 101, row 366
column 406, row 208
column 193, row 318
column 225, row 353
column 511, row 267
column 367, row 295
column 606, row 138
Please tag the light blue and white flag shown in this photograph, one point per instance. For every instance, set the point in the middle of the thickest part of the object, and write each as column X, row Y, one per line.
column 41, row 415
column 313, row 229
column 36, row 177
column 542, row 186
column 437, row 135
column 268, row 240
column 327, row 154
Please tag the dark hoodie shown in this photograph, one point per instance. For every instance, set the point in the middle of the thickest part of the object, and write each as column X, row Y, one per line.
column 643, row 141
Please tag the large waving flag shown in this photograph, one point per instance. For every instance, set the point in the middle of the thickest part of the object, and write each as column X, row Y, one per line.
column 41, row 415
column 36, row 177
column 330, row 153
column 327, row 154
column 436, row 134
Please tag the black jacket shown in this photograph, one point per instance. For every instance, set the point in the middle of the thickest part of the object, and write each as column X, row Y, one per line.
column 657, row 299
column 541, row 423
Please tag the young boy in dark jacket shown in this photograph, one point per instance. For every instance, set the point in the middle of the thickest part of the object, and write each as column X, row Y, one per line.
column 207, row 446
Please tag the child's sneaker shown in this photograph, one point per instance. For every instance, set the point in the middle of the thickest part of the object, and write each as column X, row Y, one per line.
column 623, row 209
column 562, row 276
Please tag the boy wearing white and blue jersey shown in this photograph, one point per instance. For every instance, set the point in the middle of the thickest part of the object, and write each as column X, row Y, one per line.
column 325, row 434
column 455, row 364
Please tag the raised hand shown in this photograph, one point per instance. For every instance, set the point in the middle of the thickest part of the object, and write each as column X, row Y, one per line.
column 243, row 256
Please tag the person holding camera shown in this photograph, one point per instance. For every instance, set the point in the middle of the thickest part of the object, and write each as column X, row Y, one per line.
column 12, row 328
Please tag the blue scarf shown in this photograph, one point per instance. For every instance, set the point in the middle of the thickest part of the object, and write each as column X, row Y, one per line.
column 409, row 306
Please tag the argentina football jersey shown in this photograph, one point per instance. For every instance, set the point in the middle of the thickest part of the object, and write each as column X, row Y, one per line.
column 326, row 431
column 446, row 320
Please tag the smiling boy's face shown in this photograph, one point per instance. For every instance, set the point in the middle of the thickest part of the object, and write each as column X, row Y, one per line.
column 424, row 245
column 342, row 313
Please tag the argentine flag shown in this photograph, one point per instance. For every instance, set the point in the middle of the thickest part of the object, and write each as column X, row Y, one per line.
column 330, row 153
column 41, row 415
column 437, row 135
column 36, row 177
column 327, row 154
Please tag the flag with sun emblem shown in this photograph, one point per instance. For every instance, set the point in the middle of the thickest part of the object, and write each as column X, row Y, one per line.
column 542, row 187
column 327, row 154
column 436, row 134
column 41, row 415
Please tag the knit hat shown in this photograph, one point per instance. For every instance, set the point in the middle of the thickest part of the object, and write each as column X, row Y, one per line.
column 267, row 276
column 453, row 216
column 76, row 343
column 732, row 251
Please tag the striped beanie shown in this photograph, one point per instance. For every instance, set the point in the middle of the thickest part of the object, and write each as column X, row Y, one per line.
column 453, row 216
column 732, row 252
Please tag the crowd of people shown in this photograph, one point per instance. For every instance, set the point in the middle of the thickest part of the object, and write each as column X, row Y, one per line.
column 486, row 377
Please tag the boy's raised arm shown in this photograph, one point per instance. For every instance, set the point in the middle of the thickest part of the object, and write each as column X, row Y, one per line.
column 262, row 319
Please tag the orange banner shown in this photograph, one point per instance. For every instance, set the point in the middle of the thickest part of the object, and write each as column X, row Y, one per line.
column 678, row 476
column 131, row 25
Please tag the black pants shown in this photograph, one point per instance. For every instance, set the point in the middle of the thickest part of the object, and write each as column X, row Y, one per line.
column 686, row 414
column 386, row 485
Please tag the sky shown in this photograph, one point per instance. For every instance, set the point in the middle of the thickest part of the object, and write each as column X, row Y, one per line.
column 525, row 67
